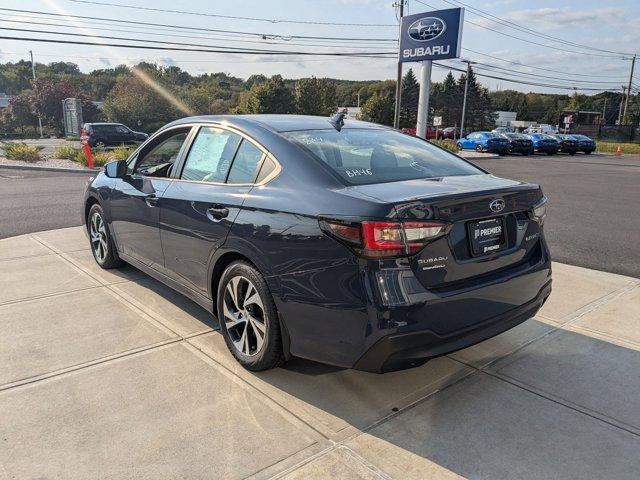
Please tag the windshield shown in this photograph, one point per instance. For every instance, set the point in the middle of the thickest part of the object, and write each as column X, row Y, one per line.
column 364, row 156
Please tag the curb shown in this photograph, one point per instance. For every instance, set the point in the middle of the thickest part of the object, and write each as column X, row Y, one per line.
column 51, row 169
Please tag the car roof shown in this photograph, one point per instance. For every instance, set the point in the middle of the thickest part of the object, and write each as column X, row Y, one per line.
column 278, row 123
column 103, row 123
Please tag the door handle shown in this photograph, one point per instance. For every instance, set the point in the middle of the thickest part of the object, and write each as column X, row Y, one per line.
column 217, row 212
column 151, row 200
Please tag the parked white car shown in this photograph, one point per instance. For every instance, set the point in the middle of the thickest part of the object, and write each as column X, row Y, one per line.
column 544, row 128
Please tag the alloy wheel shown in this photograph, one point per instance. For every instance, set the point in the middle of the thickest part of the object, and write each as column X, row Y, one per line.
column 244, row 316
column 98, row 234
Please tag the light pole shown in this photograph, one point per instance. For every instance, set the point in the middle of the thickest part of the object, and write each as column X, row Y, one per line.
column 396, row 113
column 33, row 74
column 466, row 89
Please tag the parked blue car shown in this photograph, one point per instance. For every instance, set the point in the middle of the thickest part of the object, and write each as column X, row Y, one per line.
column 544, row 143
column 587, row 145
column 485, row 142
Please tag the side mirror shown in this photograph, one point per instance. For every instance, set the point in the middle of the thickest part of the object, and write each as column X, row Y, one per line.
column 116, row 169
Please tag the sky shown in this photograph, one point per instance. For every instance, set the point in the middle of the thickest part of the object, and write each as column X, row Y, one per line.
column 610, row 26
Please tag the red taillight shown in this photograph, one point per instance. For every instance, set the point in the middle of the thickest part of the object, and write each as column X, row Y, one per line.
column 384, row 239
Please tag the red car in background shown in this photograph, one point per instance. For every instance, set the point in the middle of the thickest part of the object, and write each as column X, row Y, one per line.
column 449, row 132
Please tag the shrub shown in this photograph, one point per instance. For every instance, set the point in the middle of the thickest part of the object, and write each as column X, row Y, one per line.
column 102, row 156
column 446, row 143
column 67, row 152
column 21, row 151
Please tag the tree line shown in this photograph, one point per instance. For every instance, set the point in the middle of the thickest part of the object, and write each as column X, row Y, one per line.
column 147, row 96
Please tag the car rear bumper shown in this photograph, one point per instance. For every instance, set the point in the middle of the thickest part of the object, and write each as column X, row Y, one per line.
column 405, row 350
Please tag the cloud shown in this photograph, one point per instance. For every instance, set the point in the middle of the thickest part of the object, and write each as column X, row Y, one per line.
column 167, row 61
column 547, row 19
column 105, row 61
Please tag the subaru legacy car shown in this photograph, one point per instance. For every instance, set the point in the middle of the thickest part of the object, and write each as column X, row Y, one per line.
column 339, row 241
column 111, row 134
column 485, row 142
column 519, row 143
column 585, row 144
column 544, row 143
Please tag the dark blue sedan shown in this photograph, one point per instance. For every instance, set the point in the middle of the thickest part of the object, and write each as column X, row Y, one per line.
column 339, row 241
column 485, row 142
column 586, row 144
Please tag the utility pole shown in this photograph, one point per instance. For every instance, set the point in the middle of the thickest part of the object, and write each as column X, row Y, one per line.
column 466, row 89
column 621, row 102
column 396, row 113
column 626, row 102
column 33, row 73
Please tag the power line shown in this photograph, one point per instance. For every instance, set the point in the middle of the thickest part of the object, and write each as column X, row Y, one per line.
column 202, row 29
column 261, row 42
column 181, row 49
column 540, row 68
column 215, row 48
column 528, row 41
column 234, row 17
column 516, row 26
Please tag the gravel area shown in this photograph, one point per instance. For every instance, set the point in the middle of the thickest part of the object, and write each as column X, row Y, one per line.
column 48, row 163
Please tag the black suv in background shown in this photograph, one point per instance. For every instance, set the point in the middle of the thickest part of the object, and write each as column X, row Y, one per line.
column 111, row 134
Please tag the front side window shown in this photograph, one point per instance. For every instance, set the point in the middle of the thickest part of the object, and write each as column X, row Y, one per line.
column 121, row 129
column 364, row 156
column 210, row 155
column 158, row 161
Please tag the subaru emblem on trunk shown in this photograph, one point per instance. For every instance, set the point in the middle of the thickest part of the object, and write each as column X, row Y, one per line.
column 497, row 205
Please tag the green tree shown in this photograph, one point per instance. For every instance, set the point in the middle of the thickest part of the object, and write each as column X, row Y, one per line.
column 272, row 96
column 409, row 100
column 134, row 103
column 315, row 96
column 379, row 108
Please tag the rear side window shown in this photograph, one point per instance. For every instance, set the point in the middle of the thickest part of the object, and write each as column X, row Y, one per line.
column 364, row 156
column 211, row 155
column 246, row 164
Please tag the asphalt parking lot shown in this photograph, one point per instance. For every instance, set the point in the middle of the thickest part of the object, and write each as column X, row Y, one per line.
column 108, row 374
column 593, row 206
column 592, row 210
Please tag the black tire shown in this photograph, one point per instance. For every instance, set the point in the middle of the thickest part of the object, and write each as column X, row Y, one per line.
column 549, row 153
column 459, row 145
column 103, row 248
column 269, row 354
column 479, row 149
column 588, row 152
column 572, row 153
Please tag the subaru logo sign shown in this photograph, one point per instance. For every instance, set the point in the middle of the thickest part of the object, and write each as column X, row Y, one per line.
column 497, row 205
column 426, row 29
column 431, row 35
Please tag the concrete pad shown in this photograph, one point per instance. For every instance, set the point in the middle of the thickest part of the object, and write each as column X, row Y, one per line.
column 398, row 462
column 169, row 307
column 22, row 246
column 491, row 350
column 85, row 261
column 65, row 239
column 619, row 318
column 334, row 399
column 164, row 413
column 585, row 371
column 576, row 287
column 338, row 464
column 52, row 333
column 35, row 276
column 483, row 428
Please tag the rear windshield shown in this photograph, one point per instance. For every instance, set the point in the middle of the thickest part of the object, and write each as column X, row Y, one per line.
column 364, row 156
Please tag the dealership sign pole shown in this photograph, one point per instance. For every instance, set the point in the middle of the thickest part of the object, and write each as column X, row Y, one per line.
column 425, row 37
